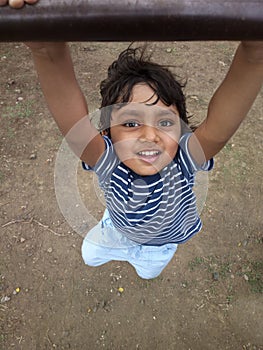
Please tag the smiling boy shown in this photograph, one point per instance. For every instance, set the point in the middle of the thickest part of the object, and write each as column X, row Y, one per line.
column 145, row 137
column 146, row 170
column 145, row 158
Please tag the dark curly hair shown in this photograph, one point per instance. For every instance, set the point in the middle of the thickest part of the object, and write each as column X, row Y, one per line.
column 132, row 67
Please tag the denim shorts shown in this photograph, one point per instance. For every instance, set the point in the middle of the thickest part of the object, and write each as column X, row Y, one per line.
column 104, row 243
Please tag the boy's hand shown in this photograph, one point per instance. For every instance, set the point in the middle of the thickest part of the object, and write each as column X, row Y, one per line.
column 17, row 4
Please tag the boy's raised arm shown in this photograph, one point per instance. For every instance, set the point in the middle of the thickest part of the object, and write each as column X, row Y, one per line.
column 63, row 94
column 231, row 102
column 65, row 99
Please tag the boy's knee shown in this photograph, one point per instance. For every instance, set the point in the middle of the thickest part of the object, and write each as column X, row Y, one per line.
column 147, row 274
column 91, row 254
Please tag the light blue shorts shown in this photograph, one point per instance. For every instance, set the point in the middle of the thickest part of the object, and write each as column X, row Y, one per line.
column 104, row 243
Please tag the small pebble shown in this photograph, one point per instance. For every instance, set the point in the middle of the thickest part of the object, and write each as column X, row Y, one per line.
column 246, row 277
column 215, row 276
column 5, row 299
column 244, row 243
column 16, row 291
column 95, row 309
column 50, row 250
column 33, row 156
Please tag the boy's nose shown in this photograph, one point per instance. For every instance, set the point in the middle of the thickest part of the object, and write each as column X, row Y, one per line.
column 149, row 133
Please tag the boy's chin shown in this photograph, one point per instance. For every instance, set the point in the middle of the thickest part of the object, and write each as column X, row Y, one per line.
column 146, row 173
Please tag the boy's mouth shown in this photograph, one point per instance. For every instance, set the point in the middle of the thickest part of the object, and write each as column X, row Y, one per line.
column 149, row 156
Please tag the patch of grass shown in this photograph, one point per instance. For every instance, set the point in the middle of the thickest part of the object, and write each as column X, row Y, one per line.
column 20, row 110
column 211, row 264
column 229, row 298
column 13, row 114
column 224, row 269
column 196, row 262
column 2, row 344
column 253, row 271
column 2, row 341
column 228, row 148
column 230, row 294
column 255, row 276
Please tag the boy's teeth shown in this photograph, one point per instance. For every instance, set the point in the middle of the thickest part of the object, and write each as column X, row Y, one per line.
column 148, row 153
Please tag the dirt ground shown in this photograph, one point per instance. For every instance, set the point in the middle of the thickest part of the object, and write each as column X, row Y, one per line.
column 209, row 296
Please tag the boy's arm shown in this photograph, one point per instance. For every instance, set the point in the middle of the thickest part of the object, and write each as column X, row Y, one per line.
column 231, row 102
column 63, row 95
column 65, row 99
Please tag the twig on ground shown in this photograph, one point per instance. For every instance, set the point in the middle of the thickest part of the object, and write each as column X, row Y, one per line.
column 53, row 345
column 29, row 222
column 49, row 229
column 17, row 221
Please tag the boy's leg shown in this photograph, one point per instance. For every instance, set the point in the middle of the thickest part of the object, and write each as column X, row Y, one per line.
column 104, row 243
column 92, row 253
column 149, row 261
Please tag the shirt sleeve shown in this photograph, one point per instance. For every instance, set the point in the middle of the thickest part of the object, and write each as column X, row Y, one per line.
column 188, row 164
column 106, row 164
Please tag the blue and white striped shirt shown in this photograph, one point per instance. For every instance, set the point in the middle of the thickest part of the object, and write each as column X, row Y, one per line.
column 156, row 209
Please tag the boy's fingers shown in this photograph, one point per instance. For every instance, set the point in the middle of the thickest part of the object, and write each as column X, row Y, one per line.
column 3, row 2
column 17, row 4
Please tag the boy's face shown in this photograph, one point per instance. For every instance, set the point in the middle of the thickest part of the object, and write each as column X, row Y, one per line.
column 145, row 136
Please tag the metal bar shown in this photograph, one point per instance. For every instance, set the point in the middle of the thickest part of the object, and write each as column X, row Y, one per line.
column 133, row 20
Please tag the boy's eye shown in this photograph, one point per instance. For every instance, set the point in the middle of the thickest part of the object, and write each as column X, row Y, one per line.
column 131, row 124
column 165, row 123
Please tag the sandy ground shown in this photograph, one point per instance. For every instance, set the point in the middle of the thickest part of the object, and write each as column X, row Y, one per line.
column 210, row 295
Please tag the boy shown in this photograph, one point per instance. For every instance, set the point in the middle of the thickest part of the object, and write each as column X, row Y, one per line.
column 145, row 158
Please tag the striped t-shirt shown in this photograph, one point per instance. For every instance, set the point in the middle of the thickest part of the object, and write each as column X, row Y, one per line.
column 156, row 209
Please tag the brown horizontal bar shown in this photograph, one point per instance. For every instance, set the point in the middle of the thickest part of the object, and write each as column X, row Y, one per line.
column 133, row 20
